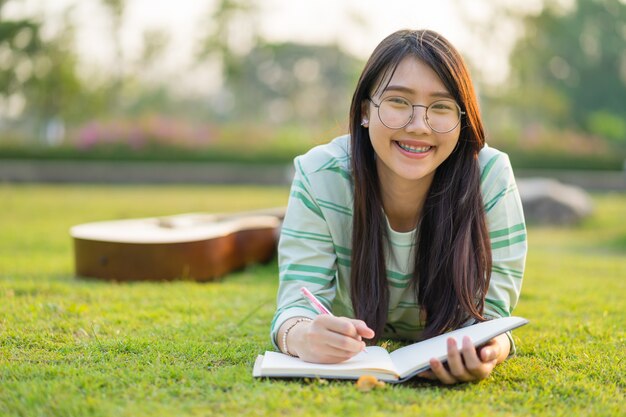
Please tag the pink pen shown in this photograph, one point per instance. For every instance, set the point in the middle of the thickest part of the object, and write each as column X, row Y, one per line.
column 315, row 302
column 317, row 305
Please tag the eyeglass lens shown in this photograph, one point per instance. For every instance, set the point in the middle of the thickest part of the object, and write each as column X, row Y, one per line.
column 442, row 115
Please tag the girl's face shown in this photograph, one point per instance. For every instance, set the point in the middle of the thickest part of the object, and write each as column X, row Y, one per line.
column 413, row 152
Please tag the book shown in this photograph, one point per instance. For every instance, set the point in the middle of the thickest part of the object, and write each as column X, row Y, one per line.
column 397, row 366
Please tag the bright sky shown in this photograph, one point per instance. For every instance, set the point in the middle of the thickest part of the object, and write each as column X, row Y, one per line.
column 320, row 21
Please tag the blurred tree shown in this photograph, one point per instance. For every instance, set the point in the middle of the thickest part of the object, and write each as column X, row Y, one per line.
column 41, row 76
column 569, row 67
column 273, row 82
column 57, row 91
column 291, row 82
column 155, row 42
column 115, row 9
column 231, row 32
column 144, row 92
column 20, row 43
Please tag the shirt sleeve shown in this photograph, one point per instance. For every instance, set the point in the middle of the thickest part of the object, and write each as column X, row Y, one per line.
column 306, row 255
column 507, row 231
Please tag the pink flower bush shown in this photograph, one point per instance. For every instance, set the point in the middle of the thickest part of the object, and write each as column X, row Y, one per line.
column 144, row 132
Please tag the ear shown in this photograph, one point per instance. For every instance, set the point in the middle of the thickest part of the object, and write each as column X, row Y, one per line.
column 365, row 113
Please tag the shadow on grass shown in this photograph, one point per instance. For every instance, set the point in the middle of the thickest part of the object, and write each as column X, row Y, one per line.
column 414, row 383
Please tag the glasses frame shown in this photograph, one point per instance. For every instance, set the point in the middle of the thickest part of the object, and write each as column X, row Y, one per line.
column 461, row 113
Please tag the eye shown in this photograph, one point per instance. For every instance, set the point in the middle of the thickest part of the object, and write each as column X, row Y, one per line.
column 397, row 101
column 443, row 106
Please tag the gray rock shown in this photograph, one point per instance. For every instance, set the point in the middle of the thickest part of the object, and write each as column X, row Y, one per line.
column 547, row 201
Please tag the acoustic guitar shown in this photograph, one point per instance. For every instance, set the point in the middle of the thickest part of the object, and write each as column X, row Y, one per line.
column 195, row 246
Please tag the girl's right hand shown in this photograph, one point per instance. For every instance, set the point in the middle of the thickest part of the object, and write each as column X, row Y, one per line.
column 328, row 339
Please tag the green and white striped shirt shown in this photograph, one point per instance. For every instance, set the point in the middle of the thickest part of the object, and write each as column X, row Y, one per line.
column 316, row 239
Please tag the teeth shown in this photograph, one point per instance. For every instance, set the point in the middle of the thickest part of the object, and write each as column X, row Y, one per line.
column 414, row 149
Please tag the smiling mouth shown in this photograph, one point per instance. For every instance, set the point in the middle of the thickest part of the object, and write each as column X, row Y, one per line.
column 414, row 149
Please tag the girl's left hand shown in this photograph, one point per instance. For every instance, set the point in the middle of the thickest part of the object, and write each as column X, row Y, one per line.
column 469, row 363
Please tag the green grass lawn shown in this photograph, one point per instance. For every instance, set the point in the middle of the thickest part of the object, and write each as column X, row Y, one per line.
column 82, row 347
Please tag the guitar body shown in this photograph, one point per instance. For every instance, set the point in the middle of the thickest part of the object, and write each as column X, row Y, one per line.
column 185, row 247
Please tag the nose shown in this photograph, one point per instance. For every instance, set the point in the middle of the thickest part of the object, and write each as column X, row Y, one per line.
column 418, row 123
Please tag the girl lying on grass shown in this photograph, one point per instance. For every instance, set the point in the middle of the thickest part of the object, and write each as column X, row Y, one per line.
column 408, row 227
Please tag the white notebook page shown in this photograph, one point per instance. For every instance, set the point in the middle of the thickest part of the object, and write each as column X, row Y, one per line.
column 375, row 358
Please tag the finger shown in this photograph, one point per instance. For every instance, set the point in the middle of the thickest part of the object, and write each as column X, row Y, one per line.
column 478, row 368
column 362, row 329
column 341, row 325
column 491, row 351
column 339, row 354
column 455, row 362
column 331, row 356
column 474, row 366
column 321, row 334
column 343, row 343
column 339, row 328
column 470, row 356
column 323, row 346
column 441, row 373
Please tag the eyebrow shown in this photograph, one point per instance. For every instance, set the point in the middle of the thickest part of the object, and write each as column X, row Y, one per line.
column 404, row 89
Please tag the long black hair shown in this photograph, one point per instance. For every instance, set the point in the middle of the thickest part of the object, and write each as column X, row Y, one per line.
column 453, row 257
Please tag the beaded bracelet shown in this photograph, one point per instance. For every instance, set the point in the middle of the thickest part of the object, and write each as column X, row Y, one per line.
column 300, row 320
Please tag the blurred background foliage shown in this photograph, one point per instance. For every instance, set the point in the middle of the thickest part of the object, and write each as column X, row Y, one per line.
column 566, row 92
column 563, row 104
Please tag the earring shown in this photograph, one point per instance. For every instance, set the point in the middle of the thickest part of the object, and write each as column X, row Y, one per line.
column 364, row 122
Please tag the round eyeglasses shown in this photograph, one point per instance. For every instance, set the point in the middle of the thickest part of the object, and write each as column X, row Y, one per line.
column 442, row 116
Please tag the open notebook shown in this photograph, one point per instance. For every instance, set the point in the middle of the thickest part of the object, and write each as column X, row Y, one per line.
column 397, row 366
